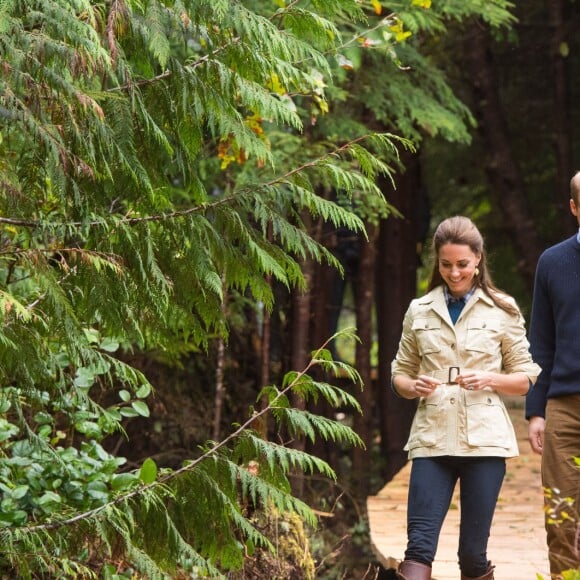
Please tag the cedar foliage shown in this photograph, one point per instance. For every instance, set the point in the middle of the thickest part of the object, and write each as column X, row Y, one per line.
column 157, row 158
column 141, row 182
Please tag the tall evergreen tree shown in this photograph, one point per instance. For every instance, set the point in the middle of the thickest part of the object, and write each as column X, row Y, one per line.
column 145, row 174
column 158, row 160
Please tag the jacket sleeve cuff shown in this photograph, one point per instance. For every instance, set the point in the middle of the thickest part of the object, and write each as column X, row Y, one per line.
column 394, row 389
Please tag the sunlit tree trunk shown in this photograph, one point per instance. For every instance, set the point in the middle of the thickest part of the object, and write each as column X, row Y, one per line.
column 220, row 386
column 265, row 359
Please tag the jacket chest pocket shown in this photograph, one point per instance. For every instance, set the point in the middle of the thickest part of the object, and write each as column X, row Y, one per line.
column 427, row 331
column 483, row 335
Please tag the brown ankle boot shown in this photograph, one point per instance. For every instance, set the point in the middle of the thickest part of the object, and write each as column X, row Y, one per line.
column 410, row 570
column 487, row 576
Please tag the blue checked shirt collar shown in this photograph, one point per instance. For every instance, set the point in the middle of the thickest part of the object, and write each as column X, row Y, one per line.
column 450, row 299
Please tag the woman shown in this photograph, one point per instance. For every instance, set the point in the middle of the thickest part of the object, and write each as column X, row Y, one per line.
column 462, row 345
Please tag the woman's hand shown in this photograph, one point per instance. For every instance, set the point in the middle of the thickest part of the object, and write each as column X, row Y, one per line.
column 425, row 385
column 508, row 384
column 475, row 381
column 410, row 388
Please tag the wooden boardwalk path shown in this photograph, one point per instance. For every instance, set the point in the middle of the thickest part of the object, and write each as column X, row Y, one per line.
column 517, row 545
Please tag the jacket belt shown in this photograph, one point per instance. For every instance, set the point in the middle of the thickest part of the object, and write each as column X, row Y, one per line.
column 447, row 376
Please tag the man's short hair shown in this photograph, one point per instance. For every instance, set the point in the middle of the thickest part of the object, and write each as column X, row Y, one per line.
column 575, row 188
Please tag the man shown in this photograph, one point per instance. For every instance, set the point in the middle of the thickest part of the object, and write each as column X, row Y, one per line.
column 553, row 404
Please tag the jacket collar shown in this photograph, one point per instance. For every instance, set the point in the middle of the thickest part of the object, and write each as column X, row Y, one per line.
column 436, row 301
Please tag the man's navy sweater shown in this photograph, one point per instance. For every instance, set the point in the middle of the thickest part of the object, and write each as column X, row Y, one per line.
column 555, row 325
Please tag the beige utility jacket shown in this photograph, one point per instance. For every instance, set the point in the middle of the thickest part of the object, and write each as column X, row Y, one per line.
column 453, row 421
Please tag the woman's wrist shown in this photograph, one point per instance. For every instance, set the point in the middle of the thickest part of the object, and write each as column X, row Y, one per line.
column 404, row 387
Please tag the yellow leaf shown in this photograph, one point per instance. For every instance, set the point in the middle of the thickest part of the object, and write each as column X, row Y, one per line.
column 276, row 85
column 322, row 104
column 422, row 3
column 377, row 6
column 401, row 36
column 397, row 30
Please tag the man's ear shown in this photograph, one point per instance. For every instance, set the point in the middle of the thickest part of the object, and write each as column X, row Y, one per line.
column 573, row 207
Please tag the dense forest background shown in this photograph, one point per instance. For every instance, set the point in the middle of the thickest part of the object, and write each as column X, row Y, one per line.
column 195, row 197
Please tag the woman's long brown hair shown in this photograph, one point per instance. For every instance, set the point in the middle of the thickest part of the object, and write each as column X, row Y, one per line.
column 461, row 230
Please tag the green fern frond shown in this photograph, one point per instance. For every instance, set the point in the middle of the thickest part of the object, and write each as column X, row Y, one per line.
column 249, row 447
column 262, row 492
column 145, row 564
column 9, row 303
column 158, row 41
column 336, row 397
column 304, row 423
column 319, row 31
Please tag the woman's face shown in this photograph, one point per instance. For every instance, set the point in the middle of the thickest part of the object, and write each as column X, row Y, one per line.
column 457, row 265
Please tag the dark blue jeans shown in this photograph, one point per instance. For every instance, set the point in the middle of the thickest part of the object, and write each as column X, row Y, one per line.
column 433, row 481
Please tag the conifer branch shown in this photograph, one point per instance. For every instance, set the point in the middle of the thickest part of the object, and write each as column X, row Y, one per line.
column 248, row 191
column 167, row 74
column 162, row 481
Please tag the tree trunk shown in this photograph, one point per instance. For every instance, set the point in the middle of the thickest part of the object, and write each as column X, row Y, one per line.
column 220, row 386
column 327, row 295
column 396, row 278
column 507, row 186
column 364, row 423
column 562, row 119
column 264, row 425
column 300, row 349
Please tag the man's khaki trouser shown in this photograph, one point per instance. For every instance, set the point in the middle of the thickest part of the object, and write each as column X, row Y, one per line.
column 561, row 480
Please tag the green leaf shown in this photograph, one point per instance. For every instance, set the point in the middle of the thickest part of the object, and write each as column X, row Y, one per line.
column 16, row 517
column 19, row 491
column 125, row 395
column 43, row 418
column 49, row 498
column 85, row 378
column 92, row 335
column 141, row 408
column 124, row 481
column 7, row 430
column 89, row 428
column 148, row 471
column 144, row 391
column 109, row 344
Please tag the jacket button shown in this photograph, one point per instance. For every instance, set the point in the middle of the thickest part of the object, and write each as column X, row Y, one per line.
column 488, row 401
column 452, row 346
column 452, row 401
